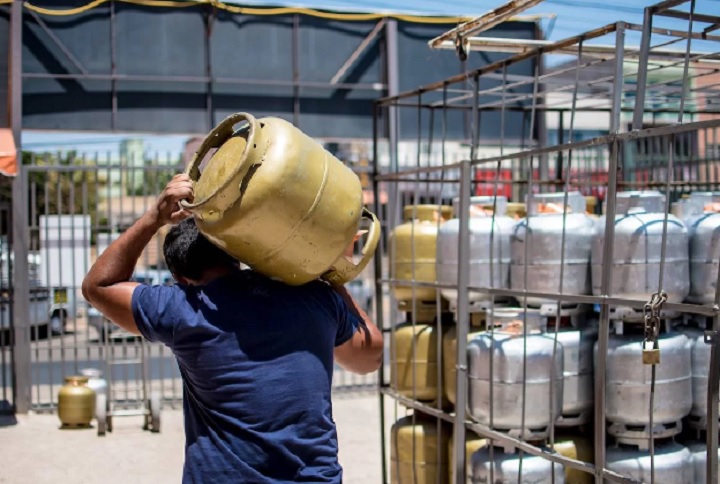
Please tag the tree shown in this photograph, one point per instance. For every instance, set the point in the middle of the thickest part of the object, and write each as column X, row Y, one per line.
column 64, row 191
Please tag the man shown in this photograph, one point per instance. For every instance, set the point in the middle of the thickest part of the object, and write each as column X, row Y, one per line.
column 256, row 356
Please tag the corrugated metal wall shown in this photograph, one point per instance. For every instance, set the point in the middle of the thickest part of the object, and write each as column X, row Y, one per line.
column 162, row 59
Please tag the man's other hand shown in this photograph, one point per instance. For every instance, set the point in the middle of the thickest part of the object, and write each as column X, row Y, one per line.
column 350, row 249
column 167, row 209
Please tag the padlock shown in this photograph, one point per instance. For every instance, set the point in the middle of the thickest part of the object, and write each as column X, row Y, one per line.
column 651, row 356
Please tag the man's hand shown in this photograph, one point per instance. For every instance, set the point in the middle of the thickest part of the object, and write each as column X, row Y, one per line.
column 350, row 249
column 167, row 209
column 107, row 286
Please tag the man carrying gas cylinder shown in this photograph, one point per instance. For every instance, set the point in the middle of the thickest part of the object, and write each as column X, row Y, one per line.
column 256, row 355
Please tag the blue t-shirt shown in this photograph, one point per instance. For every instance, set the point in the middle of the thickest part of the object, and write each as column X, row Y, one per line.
column 256, row 358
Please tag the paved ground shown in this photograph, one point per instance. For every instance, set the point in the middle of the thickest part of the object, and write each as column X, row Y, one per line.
column 35, row 451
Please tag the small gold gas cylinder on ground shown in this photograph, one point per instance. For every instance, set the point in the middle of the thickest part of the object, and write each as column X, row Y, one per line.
column 413, row 247
column 276, row 200
column 76, row 402
column 415, row 448
column 414, row 361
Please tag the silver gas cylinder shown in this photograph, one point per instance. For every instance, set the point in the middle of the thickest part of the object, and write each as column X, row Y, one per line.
column 628, row 381
column 700, row 362
column 496, row 358
column 506, row 468
column 699, row 459
column 540, row 234
column 673, row 463
column 578, row 391
column 489, row 246
column 701, row 214
column 637, row 249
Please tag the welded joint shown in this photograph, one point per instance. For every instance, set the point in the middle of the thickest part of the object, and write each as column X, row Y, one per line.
column 461, row 47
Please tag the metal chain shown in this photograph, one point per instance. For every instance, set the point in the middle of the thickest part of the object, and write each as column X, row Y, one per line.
column 651, row 314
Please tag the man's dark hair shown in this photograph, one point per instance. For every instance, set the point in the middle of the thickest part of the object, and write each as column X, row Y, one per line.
column 189, row 254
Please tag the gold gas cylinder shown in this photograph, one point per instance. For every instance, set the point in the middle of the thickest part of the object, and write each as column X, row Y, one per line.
column 516, row 210
column 276, row 200
column 590, row 204
column 450, row 360
column 413, row 247
column 473, row 443
column 414, row 451
column 579, row 447
column 414, row 361
column 76, row 402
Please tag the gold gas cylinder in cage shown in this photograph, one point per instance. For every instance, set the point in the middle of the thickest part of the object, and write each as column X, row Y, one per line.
column 590, row 204
column 578, row 446
column 414, row 361
column 276, row 200
column 449, row 358
column 413, row 247
column 473, row 443
column 418, row 451
column 76, row 402
column 516, row 210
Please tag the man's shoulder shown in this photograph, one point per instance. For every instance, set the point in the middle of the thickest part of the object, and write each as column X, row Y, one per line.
column 252, row 277
column 159, row 293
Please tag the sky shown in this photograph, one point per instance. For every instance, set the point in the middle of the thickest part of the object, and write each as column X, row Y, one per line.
column 572, row 17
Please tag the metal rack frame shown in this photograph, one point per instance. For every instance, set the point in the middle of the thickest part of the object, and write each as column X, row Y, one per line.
column 612, row 94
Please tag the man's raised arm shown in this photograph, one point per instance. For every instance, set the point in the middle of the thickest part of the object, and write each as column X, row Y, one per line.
column 106, row 286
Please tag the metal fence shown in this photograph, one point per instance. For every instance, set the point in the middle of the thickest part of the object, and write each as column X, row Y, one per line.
column 469, row 406
column 6, row 312
column 76, row 206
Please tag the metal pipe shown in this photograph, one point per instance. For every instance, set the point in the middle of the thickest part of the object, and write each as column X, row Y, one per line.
column 204, row 80
column 686, row 66
column 462, row 323
column 642, row 69
column 604, row 323
column 379, row 306
column 486, row 21
column 209, row 16
column 673, row 32
column 710, row 19
column 519, row 46
column 392, row 61
column 78, row 65
column 607, row 266
column 713, row 394
column 615, row 126
column 113, row 67
column 549, row 108
column 358, row 51
column 20, row 237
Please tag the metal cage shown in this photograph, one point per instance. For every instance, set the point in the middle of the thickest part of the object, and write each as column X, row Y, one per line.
column 601, row 121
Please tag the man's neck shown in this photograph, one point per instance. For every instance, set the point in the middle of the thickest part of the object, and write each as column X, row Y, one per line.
column 215, row 273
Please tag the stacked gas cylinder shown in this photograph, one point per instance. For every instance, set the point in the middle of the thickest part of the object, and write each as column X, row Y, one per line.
column 679, row 396
column 530, row 360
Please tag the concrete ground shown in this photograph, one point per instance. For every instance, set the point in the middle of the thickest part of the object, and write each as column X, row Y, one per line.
column 36, row 451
